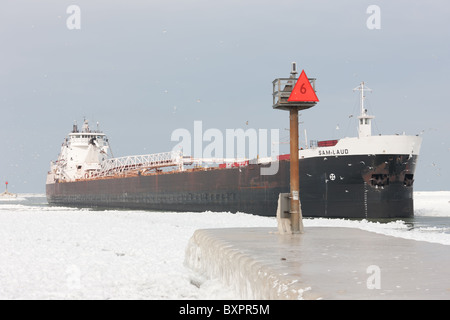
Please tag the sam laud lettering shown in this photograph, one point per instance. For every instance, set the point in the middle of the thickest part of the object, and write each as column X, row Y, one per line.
column 333, row 152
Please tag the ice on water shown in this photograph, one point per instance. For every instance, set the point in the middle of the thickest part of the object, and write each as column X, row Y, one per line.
column 68, row 253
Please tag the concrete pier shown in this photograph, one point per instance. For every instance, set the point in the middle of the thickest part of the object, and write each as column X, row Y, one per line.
column 322, row 263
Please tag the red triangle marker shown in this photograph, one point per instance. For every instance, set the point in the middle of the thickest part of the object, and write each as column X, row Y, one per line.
column 303, row 91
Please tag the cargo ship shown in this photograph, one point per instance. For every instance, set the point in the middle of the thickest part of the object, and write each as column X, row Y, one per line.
column 368, row 176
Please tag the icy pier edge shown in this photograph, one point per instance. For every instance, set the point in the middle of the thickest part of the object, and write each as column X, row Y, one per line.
column 216, row 258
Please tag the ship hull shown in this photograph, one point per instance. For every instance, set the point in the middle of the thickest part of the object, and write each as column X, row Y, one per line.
column 347, row 186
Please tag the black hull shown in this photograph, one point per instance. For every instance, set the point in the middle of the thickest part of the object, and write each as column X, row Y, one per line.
column 354, row 186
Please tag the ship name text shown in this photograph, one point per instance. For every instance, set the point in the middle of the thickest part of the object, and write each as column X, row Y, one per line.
column 333, row 152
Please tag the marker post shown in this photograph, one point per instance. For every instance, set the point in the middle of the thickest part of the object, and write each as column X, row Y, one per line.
column 293, row 98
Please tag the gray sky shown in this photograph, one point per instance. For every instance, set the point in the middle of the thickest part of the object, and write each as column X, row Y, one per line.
column 145, row 68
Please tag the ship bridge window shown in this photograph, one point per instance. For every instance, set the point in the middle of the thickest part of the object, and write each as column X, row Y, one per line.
column 379, row 180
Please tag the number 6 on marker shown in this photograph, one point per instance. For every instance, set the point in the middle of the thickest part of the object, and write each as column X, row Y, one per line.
column 303, row 91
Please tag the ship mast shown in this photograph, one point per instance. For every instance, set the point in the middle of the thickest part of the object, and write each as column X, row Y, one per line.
column 365, row 125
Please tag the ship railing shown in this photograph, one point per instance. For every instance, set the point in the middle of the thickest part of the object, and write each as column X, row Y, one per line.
column 282, row 89
column 313, row 144
column 141, row 163
column 199, row 161
column 122, row 165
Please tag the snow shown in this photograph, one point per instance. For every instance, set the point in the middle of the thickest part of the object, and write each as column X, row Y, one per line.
column 67, row 253
column 429, row 203
column 62, row 253
column 397, row 229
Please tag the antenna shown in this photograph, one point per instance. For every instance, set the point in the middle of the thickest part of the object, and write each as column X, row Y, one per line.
column 361, row 88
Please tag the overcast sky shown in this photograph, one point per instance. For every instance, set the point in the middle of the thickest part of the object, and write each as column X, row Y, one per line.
column 146, row 68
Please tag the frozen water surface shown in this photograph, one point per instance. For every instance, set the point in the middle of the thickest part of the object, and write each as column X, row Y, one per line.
column 68, row 253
